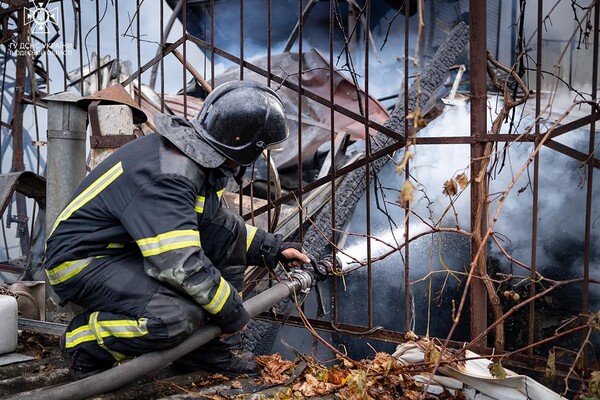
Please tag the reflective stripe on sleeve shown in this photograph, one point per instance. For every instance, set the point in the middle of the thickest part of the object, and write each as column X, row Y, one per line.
column 89, row 193
column 67, row 270
column 201, row 200
column 199, row 206
column 250, row 232
column 220, row 297
column 169, row 241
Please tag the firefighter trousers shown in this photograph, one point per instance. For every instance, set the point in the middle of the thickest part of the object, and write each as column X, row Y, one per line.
column 129, row 313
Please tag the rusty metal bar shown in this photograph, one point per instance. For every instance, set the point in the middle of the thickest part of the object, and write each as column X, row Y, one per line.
column 535, row 179
column 478, row 61
column 299, row 89
column 162, row 60
column 335, row 317
column 184, row 62
column 211, row 46
column 138, row 11
column 407, row 301
column 98, row 70
column 80, row 36
column 117, row 46
column 367, row 168
column 192, row 71
column 18, row 163
column 64, row 42
column 590, row 168
column 156, row 59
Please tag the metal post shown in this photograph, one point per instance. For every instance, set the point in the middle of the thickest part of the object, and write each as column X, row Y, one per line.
column 478, row 53
column 18, row 163
column 66, row 152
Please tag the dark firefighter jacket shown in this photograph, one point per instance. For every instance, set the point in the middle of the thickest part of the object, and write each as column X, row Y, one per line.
column 151, row 199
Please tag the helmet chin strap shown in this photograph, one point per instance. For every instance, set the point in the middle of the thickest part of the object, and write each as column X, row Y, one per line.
column 239, row 177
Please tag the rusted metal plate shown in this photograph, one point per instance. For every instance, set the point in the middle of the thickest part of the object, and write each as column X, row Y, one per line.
column 27, row 183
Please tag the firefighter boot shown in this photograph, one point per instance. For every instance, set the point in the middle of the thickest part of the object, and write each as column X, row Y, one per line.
column 82, row 362
column 223, row 356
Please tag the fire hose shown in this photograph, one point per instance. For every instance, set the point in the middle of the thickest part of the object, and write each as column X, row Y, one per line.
column 300, row 281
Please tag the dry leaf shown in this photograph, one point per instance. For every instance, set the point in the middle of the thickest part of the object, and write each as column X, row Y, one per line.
column 462, row 180
column 432, row 354
column 406, row 194
column 497, row 371
column 551, row 365
column 400, row 167
column 274, row 369
column 337, row 376
column 410, row 335
column 450, row 188
column 313, row 387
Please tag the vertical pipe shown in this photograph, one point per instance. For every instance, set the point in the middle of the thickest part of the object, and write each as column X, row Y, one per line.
column 407, row 302
column 18, row 163
column 368, row 167
column 535, row 182
column 66, row 153
column 478, row 64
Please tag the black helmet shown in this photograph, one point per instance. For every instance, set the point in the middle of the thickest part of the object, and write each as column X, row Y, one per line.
column 240, row 119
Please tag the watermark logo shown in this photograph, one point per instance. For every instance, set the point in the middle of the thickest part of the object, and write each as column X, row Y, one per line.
column 42, row 18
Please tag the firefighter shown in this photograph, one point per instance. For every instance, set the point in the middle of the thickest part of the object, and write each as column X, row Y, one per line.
column 146, row 249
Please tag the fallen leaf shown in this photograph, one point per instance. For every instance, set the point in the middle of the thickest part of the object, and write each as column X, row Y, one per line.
column 236, row 385
column 274, row 369
column 313, row 387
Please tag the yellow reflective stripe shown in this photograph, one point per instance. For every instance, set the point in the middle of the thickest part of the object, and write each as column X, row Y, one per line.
column 199, row 207
column 220, row 193
column 169, row 241
column 94, row 325
column 250, row 232
column 78, row 336
column 89, row 193
column 115, row 245
column 67, row 270
column 220, row 297
column 98, row 330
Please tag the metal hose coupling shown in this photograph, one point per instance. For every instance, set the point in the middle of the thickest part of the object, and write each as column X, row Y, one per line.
column 300, row 281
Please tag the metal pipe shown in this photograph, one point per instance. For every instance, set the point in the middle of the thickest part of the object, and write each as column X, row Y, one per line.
column 65, row 166
column 139, row 366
